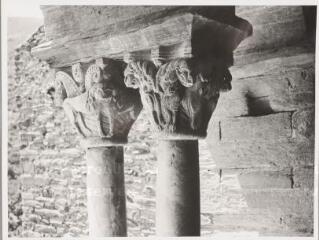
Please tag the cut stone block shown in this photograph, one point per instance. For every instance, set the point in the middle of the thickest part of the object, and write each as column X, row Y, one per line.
column 289, row 201
column 262, row 154
column 274, row 26
column 258, row 178
column 189, row 32
column 303, row 177
column 273, row 85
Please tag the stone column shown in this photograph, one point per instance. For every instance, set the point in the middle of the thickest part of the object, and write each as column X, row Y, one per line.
column 178, row 192
column 99, row 106
column 180, row 96
column 106, row 193
column 179, row 62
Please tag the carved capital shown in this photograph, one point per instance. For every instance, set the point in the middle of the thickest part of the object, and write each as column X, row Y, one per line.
column 96, row 100
column 180, row 95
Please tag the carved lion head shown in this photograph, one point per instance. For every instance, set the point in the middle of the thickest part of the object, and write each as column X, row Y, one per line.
column 171, row 76
column 183, row 73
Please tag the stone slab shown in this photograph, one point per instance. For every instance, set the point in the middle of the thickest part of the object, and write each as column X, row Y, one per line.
column 262, row 154
column 175, row 31
column 268, row 128
column 303, row 177
column 274, row 26
column 273, row 85
column 290, row 201
column 258, row 178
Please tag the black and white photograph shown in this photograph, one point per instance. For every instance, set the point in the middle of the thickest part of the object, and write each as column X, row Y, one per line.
column 159, row 120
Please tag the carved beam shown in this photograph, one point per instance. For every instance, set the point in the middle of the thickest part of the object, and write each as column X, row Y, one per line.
column 102, row 110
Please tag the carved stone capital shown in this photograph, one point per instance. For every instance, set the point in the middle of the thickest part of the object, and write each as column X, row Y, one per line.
column 180, row 95
column 97, row 102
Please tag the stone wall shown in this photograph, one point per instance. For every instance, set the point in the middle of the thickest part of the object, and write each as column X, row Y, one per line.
column 256, row 166
column 47, row 168
column 262, row 133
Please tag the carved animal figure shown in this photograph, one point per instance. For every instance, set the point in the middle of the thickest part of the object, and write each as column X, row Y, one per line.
column 200, row 100
column 172, row 78
column 141, row 74
column 192, row 103
column 96, row 101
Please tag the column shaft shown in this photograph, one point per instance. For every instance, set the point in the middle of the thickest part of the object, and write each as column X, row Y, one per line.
column 178, row 192
column 106, row 192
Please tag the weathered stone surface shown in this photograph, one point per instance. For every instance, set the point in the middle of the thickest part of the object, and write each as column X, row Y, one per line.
column 303, row 124
column 34, row 218
column 31, row 234
column 269, row 128
column 267, row 223
column 262, row 154
column 258, row 178
column 273, row 65
column 27, row 195
column 178, row 189
column 270, row 77
column 274, row 26
column 94, row 20
column 231, row 207
column 281, row 139
column 303, row 177
column 273, row 85
column 105, row 192
column 48, row 212
column 172, row 34
column 39, row 180
column 180, row 95
column 45, row 229
column 298, row 225
column 285, row 51
column 32, row 203
column 96, row 101
column 289, row 201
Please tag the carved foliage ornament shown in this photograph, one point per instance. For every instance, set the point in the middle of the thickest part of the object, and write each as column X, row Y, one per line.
column 180, row 95
column 96, row 100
